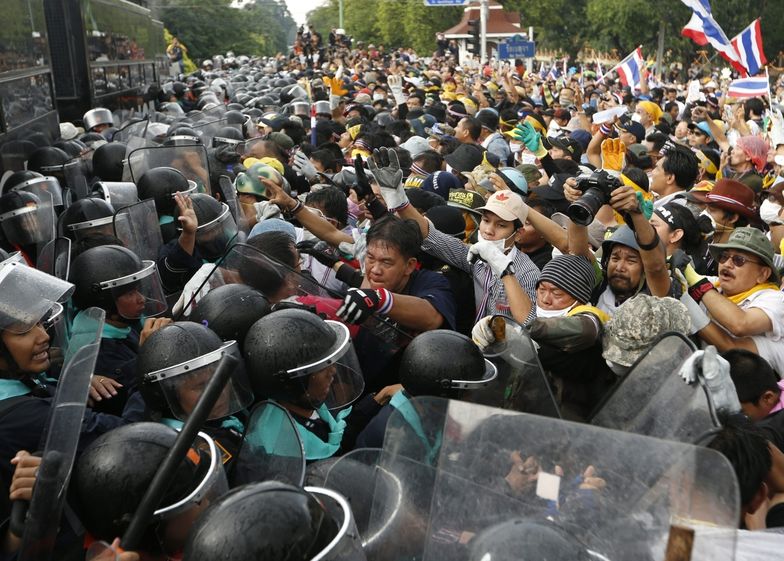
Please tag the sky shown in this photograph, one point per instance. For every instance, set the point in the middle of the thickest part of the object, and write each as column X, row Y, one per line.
column 300, row 8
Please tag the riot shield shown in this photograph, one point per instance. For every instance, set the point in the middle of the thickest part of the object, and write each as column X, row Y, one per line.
column 31, row 226
column 65, row 424
column 190, row 160
column 43, row 188
column 76, row 178
column 119, row 194
column 137, row 226
column 132, row 132
column 209, row 128
column 229, row 196
column 55, row 258
column 521, row 384
column 613, row 493
column 271, row 448
column 653, row 400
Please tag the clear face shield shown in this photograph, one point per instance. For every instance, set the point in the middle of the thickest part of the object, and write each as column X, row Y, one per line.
column 29, row 225
column 44, row 188
column 183, row 384
column 76, row 173
column 99, row 226
column 137, row 226
column 214, row 237
column 119, row 194
column 29, row 297
column 336, row 379
column 347, row 544
column 138, row 295
column 191, row 160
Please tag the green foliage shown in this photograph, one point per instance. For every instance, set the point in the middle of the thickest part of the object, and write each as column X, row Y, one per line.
column 187, row 62
column 208, row 28
column 393, row 23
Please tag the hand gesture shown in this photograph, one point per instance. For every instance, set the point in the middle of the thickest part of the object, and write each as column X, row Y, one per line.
column 488, row 252
column 303, row 166
column 187, row 217
column 362, row 188
column 276, row 195
column 319, row 250
column 699, row 114
column 102, row 388
column 151, row 325
column 613, row 155
column 386, row 170
column 24, row 476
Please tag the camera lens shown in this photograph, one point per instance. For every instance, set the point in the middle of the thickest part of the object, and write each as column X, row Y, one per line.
column 583, row 210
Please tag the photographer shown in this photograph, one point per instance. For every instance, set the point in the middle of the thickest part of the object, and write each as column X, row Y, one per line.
column 633, row 258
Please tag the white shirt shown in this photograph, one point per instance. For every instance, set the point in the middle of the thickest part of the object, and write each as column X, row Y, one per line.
column 770, row 345
column 678, row 197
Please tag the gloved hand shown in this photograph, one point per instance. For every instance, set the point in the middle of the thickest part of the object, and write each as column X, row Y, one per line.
column 363, row 189
column 489, row 252
column 303, row 166
column 336, row 86
column 386, row 169
column 395, row 84
column 699, row 319
column 195, row 289
column 613, row 156
column 699, row 285
column 525, row 133
column 483, row 335
column 716, row 372
column 691, row 367
column 319, row 250
column 360, row 303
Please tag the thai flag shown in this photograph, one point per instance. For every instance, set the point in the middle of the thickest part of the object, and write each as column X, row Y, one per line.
column 631, row 68
column 553, row 74
column 749, row 87
column 542, row 70
column 748, row 44
column 703, row 29
column 599, row 72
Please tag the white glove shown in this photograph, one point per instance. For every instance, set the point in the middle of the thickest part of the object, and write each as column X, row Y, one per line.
column 395, row 84
column 194, row 291
column 716, row 372
column 303, row 166
column 690, row 367
column 483, row 335
column 266, row 210
column 389, row 179
column 699, row 319
column 489, row 252
column 334, row 101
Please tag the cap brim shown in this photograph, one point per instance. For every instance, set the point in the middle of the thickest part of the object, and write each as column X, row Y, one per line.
column 500, row 212
column 716, row 249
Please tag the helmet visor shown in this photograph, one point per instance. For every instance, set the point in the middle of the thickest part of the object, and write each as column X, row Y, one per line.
column 88, row 228
column 39, row 186
column 27, row 296
column 346, row 545
column 119, row 194
column 139, row 294
column 214, row 237
column 336, row 379
column 183, row 384
column 32, row 224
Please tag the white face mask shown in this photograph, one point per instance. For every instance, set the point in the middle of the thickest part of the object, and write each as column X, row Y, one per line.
column 542, row 313
column 500, row 244
column 379, row 97
column 710, row 216
column 636, row 118
column 769, row 211
column 515, row 147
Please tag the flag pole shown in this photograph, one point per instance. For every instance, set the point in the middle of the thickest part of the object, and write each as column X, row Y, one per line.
column 770, row 97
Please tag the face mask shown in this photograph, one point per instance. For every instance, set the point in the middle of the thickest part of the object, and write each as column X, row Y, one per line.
column 379, row 97
column 515, row 147
column 500, row 244
column 636, row 118
column 542, row 313
column 710, row 217
column 769, row 211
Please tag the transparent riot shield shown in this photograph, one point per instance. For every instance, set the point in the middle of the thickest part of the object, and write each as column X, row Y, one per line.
column 65, row 424
column 653, row 400
column 271, row 448
column 55, row 258
column 137, row 226
column 592, row 490
column 521, row 384
column 209, row 128
column 119, row 194
column 43, row 187
column 76, row 177
column 31, row 227
column 131, row 132
column 190, row 160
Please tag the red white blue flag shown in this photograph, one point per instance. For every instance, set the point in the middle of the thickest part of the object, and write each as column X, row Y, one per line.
column 748, row 44
column 749, row 87
column 631, row 68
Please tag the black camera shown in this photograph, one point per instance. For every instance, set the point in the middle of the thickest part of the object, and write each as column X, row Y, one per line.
column 596, row 189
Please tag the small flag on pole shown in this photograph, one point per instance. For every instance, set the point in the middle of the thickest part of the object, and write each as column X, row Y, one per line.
column 749, row 87
column 631, row 68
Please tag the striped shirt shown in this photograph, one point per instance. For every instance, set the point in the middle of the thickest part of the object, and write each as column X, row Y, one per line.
column 489, row 292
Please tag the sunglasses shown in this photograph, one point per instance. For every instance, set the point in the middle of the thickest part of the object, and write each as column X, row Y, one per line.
column 737, row 260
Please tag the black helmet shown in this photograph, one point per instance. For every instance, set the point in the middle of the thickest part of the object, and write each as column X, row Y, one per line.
column 271, row 521
column 71, row 147
column 439, row 361
column 216, row 227
column 23, row 220
column 84, row 216
column 284, row 348
column 234, row 117
column 105, row 274
column 161, row 184
column 227, row 136
column 90, row 138
column 113, row 473
column 47, row 160
column 174, row 365
column 108, row 161
column 230, row 310
column 19, row 177
column 523, row 540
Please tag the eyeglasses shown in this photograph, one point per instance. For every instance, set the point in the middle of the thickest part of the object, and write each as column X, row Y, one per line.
column 737, row 260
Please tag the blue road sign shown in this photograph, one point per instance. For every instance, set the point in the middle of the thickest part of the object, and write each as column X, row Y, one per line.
column 446, row 2
column 515, row 48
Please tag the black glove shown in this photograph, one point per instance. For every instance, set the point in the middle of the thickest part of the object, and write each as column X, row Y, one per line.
column 360, row 303
column 319, row 250
column 363, row 183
